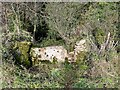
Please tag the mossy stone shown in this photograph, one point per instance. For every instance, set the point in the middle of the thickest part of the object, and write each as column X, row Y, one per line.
column 81, row 56
column 81, row 60
column 23, row 57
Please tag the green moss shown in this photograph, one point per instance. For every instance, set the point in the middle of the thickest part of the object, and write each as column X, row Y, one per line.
column 34, row 59
column 81, row 56
column 54, row 60
column 81, row 60
column 23, row 56
column 100, row 36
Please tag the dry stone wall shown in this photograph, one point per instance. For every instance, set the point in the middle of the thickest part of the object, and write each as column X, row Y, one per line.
column 58, row 53
column 28, row 55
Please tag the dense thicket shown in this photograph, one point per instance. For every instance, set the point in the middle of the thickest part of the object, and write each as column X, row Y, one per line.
column 46, row 24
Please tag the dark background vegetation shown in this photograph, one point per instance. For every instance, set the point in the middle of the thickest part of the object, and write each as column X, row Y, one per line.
column 47, row 24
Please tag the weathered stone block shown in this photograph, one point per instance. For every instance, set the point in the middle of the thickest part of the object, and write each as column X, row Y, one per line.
column 81, row 49
column 48, row 53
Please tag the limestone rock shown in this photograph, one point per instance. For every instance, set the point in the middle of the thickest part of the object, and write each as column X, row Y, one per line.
column 48, row 53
